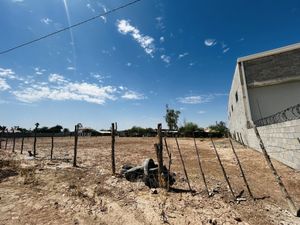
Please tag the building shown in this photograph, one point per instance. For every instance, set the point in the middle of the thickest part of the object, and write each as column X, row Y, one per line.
column 265, row 92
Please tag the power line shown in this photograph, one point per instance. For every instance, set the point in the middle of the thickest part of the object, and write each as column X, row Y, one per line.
column 69, row 27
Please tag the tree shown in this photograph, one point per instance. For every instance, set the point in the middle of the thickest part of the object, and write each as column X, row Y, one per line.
column 220, row 127
column 189, row 129
column 56, row 129
column 66, row 130
column 171, row 118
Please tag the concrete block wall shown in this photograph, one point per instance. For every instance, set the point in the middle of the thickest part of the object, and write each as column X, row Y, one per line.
column 237, row 121
column 277, row 66
column 280, row 141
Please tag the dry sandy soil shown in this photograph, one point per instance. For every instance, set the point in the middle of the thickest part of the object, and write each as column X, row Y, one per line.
column 42, row 191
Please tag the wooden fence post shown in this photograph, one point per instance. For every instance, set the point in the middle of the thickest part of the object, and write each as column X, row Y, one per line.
column 14, row 140
column 159, row 155
column 52, row 146
column 200, row 166
column 22, row 145
column 75, row 146
column 223, row 169
column 170, row 162
column 183, row 165
column 34, row 142
column 241, row 169
column 294, row 210
column 113, row 163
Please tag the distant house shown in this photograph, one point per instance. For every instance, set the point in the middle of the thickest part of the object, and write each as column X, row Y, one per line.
column 265, row 92
column 105, row 133
column 86, row 131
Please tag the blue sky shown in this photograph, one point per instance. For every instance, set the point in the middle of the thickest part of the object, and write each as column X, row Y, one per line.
column 127, row 66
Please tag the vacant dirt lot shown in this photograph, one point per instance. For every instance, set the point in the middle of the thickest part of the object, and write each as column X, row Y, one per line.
column 41, row 191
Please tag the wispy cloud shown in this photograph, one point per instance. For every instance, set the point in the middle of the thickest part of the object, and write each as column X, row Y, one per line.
column 7, row 73
column 17, row 1
column 71, row 68
column 226, row 50
column 132, row 95
column 199, row 99
column 104, row 17
column 145, row 41
column 166, row 59
column 3, row 85
column 225, row 47
column 89, row 6
column 39, row 71
column 99, row 77
column 162, row 39
column 210, row 42
column 46, row 20
column 56, row 78
column 180, row 56
column 159, row 23
column 201, row 112
column 196, row 99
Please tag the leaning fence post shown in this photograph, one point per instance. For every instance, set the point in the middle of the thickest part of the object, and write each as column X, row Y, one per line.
column 22, row 145
column 241, row 169
column 34, row 142
column 286, row 195
column 200, row 166
column 113, row 162
column 52, row 146
column 75, row 146
column 170, row 162
column 184, row 169
column 223, row 169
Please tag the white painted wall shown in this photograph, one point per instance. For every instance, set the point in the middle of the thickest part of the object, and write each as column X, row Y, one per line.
column 268, row 100
column 237, row 122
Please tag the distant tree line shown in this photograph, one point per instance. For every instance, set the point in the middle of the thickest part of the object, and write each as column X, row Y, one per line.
column 54, row 129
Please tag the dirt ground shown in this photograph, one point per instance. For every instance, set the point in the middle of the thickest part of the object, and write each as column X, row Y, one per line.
column 41, row 191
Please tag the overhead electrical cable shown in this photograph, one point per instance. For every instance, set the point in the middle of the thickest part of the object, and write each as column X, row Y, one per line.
column 69, row 27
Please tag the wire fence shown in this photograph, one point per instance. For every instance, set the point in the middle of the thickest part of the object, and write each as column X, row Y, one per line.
column 291, row 113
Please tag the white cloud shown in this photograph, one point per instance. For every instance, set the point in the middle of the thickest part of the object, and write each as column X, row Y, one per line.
column 89, row 6
column 39, row 71
column 71, row 68
column 162, row 39
column 129, row 64
column 66, row 91
column 180, row 56
column 210, row 42
column 46, row 20
column 56, row 78
column 17, row 1
column 145, row 41
column 226, row 50
column 196, row 99
column 8, row 73
column 104, row 17
column 165, row 58
column 3, row 85
column 132, row 95
column 160, row 24
column 201, row 112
